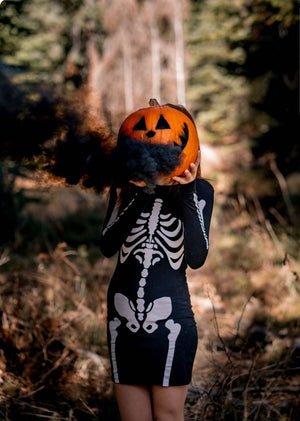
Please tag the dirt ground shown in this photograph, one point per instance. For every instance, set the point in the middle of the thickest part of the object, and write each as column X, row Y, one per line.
column 53, row 282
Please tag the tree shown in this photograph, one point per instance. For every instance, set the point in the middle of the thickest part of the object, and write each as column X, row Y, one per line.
column 143, row 54
column 46, row 51
column 272, row 71
column 237, row 51
column 179, row 52
column 244, row 86
column 218, row 98
column 47, row 40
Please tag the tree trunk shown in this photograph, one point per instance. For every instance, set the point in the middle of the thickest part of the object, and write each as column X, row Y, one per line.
column 93, row 94
column 127, row 66
column 155, row 56
column 179, row 52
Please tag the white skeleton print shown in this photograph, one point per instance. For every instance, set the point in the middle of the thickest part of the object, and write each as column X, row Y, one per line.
column 155, row 235
column 152, row 332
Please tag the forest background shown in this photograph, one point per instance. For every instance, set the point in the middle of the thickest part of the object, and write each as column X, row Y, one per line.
column 70, row 71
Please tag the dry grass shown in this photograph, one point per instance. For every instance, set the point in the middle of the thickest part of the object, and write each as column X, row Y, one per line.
column 246, row 301
column 53, row 335
column 53, row 352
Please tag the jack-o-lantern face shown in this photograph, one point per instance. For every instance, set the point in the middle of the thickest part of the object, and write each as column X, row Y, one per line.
column 164, row 124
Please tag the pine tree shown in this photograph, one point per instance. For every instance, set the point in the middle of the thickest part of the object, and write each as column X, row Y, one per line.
column 243, row 66
column 47, row 40
column 244, row 83
column 272, row 71
column 218, row 98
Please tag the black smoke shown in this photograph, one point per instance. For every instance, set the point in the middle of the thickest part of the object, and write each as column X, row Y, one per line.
column 81, row 150
column 83, row 158
column 90, row 155
column 141, row 161
column 89, row 160
column 63, row 137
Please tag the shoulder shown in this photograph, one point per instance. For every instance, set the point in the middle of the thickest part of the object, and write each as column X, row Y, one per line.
column 203, row 186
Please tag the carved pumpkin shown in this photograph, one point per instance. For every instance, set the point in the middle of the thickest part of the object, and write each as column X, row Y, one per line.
column 164, row 124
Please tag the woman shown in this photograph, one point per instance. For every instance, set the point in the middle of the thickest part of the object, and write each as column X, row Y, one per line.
column 152, row 334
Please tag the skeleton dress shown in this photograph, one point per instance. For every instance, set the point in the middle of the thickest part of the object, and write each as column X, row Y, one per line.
column 152, row 335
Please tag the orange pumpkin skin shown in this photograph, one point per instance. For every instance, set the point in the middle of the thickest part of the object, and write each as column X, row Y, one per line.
column 166, row 124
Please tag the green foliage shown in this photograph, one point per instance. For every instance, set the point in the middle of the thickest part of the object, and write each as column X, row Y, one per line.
column 43, row 37
column 244, row 78
column 219, row 98
column 272, row 71
column 243, row 59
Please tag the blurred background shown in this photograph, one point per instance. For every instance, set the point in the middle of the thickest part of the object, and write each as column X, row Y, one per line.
column 70, row 72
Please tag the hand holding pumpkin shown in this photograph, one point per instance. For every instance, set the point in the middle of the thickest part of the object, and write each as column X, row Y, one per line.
column 189, row 175
column 159, row 146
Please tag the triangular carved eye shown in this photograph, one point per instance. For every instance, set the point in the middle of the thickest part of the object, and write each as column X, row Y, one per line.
column 162, row 123
column 141, row 125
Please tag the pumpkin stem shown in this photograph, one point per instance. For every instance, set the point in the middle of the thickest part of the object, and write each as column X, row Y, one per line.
column 153, row 102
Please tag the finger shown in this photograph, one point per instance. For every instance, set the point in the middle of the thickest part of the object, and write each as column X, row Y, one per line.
column 189, row 176
column 193, row 169
column 179, row 179
column 185, row 178
column 198, row 159
column 197, row 164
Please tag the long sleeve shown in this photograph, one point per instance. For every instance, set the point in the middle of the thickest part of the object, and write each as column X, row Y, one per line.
column 197, row 204
column 119, row 220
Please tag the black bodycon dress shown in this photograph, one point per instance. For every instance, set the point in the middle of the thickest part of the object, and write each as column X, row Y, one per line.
column 152, row 335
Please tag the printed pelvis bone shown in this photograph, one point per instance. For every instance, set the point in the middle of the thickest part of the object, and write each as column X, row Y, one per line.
column 159, row 309
column 155, row 235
